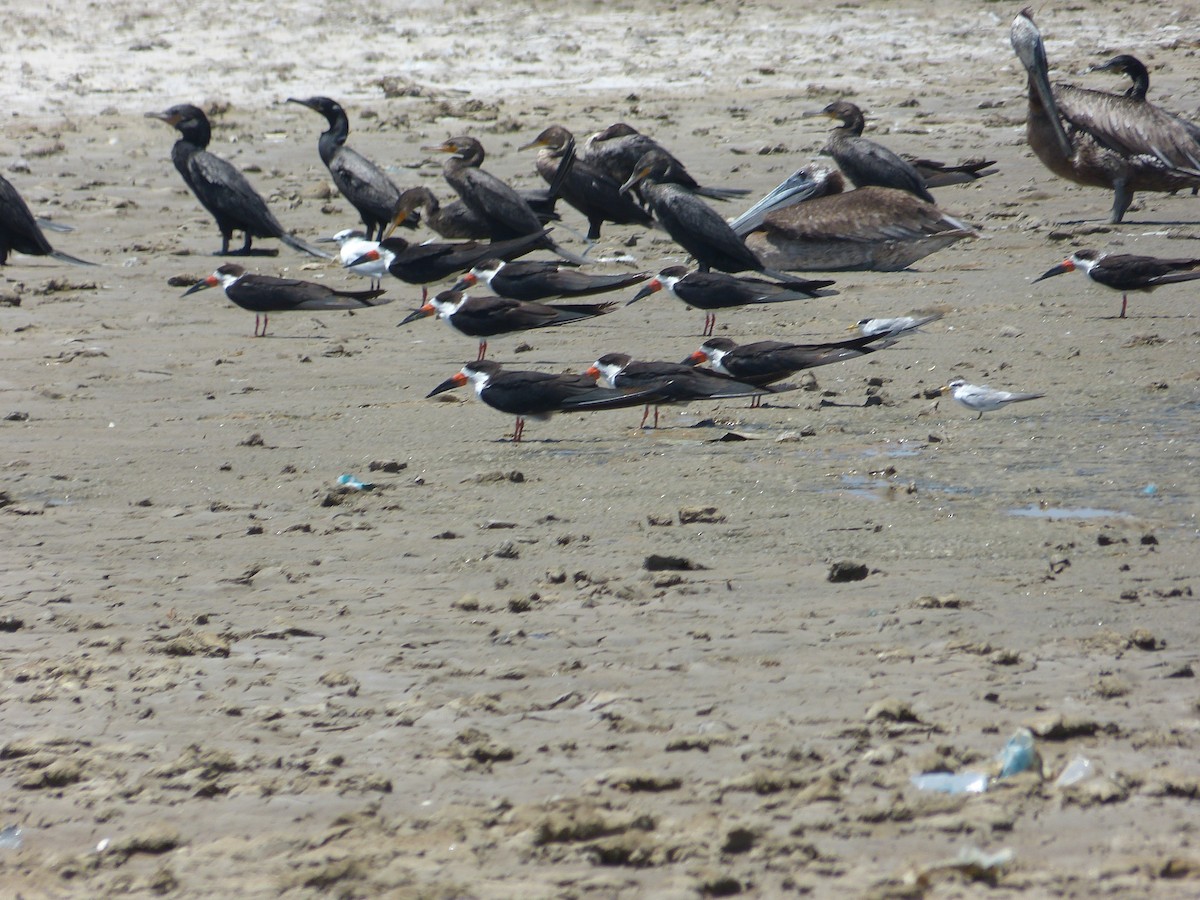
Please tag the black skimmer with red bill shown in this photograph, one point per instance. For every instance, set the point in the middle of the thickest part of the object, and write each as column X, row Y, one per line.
column 981, row 398
column 222, row 189
column 711, row 291
column 895, row 325
column 19, row 230
column 1100, row 139
column 677, row 382
column 537, row 279
column 507, row 213
column 1126, row 272
column 426, row 263
column 353, row 245
column 766, row 362
column 265, row 294
column 359, row 180
column 693, row 224
column 538, row 395
column 484, row 317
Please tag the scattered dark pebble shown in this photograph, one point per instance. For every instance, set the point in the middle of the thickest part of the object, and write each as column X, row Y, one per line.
column 658, row 563
column 386, row 465
column 847, row 570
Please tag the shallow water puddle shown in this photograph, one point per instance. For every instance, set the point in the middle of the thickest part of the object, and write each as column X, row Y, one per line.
column 1057, row 512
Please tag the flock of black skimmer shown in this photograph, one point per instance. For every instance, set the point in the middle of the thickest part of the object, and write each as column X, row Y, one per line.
column 810, row 222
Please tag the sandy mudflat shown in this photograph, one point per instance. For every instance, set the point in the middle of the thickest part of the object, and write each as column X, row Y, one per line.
column 223, row 678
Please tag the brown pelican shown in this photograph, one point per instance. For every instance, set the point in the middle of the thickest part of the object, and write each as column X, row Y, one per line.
column 1100, row 139
column 862, row 160
column 823, row 229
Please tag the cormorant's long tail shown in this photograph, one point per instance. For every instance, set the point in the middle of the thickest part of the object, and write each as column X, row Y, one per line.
column 296, row 244
column 74, row 260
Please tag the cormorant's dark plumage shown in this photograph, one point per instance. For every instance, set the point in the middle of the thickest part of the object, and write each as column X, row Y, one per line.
column 363, row 183
column 220, row 188
column 19, row 230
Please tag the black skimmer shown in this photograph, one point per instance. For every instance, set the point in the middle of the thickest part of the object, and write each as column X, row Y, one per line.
column 675, row 382
column 222, row 189
column 1126, row 272
column 543, row 279
column 864, row 161
column 456, row 220
column 619, row 148
column 19, row 230
column 361, row 182
column 426, row 263
column 484, row 317
column 691, row 222
column 537, row 395
column 808, row 224
column 981, row 398
column 353, row 245
column 711, row 291
column 895, row 325
column 1100, row 139
column 589, row 189
column 507, row 213
column 766, row 362
column 265, row 294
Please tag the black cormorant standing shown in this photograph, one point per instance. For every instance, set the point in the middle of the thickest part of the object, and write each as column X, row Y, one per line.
column 19, row 230
column 220, row 188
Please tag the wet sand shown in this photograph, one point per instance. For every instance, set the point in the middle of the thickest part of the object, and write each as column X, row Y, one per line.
column 226, row 677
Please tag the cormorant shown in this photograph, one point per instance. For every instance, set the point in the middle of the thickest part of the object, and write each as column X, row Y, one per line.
column 692, row 223
column 590, row 190
column 864, row 161
column 456, row 220
column 619, row 148
column 507, row 213
column 363, row 183
column 220, row 188
column 19, row 230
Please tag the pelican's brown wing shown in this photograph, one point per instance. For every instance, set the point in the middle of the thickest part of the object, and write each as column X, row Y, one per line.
column 1130, row 127
column 867, row 214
